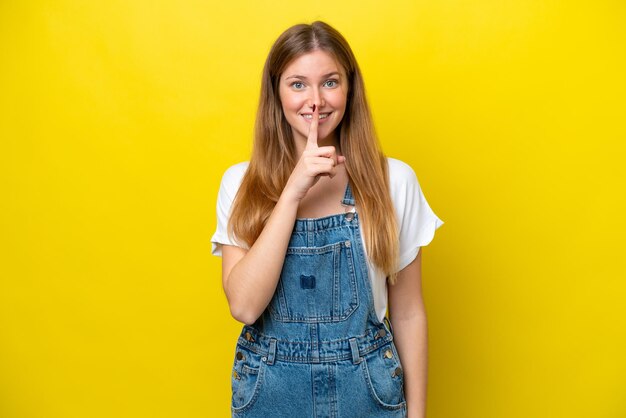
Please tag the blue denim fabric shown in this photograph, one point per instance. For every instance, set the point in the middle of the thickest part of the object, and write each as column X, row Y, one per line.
column 319, row 349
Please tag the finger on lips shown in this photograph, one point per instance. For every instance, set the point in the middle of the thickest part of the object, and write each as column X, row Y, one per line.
column 312, row 139
column 326, row 152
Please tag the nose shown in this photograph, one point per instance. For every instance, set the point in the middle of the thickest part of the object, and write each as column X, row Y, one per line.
column 316, row 98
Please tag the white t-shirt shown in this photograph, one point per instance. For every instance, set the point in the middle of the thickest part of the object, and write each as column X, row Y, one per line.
column 416, row 220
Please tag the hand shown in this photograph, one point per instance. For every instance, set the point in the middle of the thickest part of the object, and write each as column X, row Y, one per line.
column 314, row 162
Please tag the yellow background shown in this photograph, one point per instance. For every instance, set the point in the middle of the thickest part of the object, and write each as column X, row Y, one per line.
column 118, row 119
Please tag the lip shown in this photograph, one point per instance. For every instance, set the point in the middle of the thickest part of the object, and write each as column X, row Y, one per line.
column 320, row 120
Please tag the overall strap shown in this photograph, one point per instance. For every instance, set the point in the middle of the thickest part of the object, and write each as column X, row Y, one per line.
column 348, row 199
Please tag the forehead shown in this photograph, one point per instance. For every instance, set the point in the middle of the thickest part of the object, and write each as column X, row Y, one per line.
column 313, row 63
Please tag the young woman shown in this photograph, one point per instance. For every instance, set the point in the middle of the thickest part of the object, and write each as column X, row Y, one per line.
column 311, row 231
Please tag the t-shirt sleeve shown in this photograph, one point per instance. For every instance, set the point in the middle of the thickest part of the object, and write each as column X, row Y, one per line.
column 416, row 220
column 231, row 180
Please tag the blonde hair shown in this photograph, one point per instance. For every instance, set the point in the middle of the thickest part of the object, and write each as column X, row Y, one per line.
column 274, row 154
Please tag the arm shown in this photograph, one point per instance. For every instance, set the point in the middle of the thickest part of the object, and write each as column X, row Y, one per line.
column 249, row 277
column 408, row 319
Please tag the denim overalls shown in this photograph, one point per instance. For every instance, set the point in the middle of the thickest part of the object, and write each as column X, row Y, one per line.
column 319, row 349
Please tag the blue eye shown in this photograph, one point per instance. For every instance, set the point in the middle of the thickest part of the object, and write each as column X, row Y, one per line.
column 297, row 85
column 331, row 83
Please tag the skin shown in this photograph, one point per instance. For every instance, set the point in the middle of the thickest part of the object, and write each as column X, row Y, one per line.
column 312, row 84
column 410, row 332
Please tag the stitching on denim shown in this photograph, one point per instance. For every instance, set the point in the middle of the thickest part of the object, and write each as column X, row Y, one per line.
column 255, row 395
column 370, row 385
column 335, row 316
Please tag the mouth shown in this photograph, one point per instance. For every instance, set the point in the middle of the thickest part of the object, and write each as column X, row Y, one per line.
column 309, row 116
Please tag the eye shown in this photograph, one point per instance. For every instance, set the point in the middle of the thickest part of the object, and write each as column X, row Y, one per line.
column 298, row 85
column 331, row 83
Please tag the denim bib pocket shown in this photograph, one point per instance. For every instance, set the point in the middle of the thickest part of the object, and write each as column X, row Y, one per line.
column 383, row 375
column 317, row 284
column 246, row 379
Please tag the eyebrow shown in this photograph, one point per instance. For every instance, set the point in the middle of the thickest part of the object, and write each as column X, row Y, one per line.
column 305, row 78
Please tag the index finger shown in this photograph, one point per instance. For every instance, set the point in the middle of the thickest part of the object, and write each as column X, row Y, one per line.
column 311, row 141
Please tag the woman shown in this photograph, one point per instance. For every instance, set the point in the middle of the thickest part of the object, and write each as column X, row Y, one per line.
column 308, row 243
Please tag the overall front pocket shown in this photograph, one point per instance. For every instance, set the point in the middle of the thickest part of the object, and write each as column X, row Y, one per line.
column 246, row 379
column 317, row 284
column 384, row 376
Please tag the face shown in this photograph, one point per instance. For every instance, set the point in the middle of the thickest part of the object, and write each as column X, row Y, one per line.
column 313, row 78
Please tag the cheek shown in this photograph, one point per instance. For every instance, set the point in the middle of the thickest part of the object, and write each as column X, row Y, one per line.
column 289, row 106
column 339, row 100
column 285, row 100
column 289, row 102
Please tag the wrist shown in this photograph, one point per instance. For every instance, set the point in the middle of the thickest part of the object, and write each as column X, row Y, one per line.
column 289, row 197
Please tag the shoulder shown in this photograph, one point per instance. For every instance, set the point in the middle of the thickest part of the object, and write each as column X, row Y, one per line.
column 401, row 175
column 231, row 180
column 233, row 175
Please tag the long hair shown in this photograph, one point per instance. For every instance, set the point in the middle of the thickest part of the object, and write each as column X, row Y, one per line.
column 274, row 154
